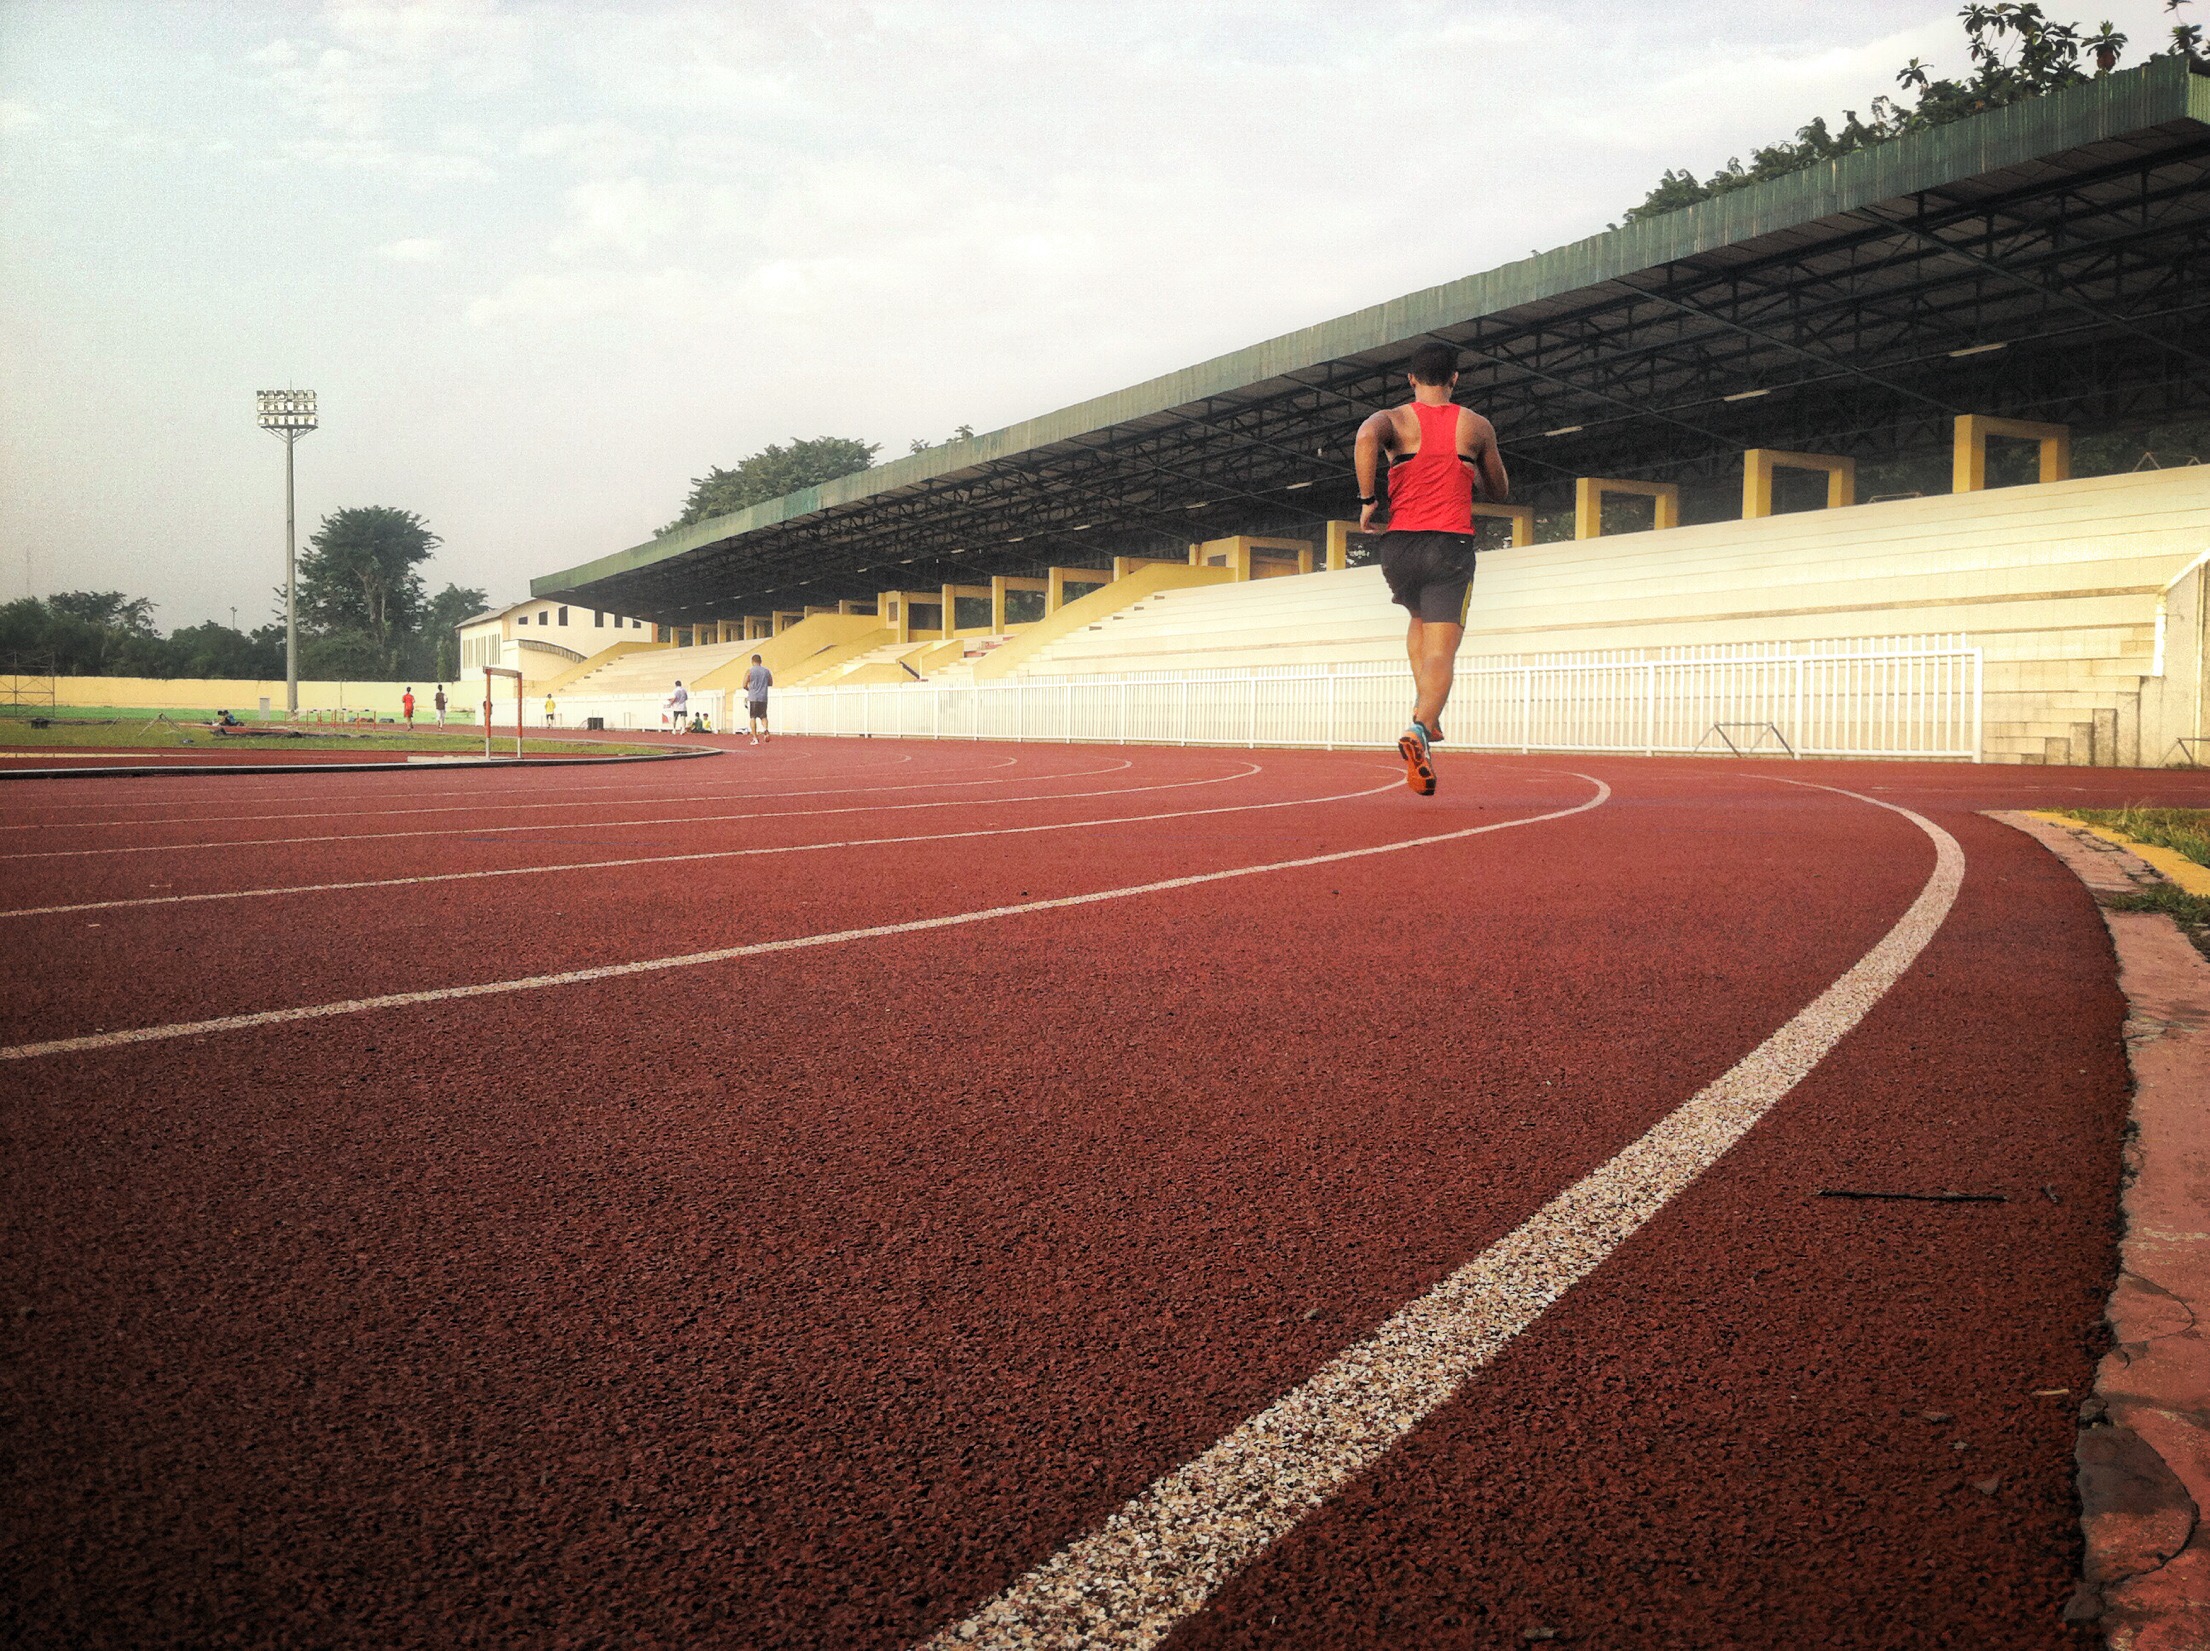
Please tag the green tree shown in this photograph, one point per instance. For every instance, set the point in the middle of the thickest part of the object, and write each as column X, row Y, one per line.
column 216, row 650
column 358, row 577
column 436, row 651
column 2016, row 51
column 83, row 632
column 772, row 472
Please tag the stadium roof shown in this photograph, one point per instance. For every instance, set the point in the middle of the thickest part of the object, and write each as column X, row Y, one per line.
column 2049, row 260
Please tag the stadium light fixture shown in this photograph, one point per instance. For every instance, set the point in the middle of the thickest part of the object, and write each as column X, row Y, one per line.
column 288, row 415
column 1978, row 349
column 1566, row 430
column 1746, row 395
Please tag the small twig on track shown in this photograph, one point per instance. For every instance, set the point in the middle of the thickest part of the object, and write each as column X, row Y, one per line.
column 1919, row 1197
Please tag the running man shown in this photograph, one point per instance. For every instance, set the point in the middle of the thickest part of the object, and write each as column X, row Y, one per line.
column 549, row 712
column 678, row 703
column 1441, row 458
column 757, row 681
column 439, row 702
column 406, row 707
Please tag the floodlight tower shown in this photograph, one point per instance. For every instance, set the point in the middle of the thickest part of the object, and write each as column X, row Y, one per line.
column 289, row 414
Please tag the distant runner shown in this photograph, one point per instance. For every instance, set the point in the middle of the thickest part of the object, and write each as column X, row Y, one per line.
column 439, row 702
column 406, row 707
column 1441, row 457
column 757, row 681
column 678, row 703
column 549, row 712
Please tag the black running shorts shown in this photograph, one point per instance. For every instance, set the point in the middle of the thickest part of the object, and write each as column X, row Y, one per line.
column 759, row 709
column 1430, row 573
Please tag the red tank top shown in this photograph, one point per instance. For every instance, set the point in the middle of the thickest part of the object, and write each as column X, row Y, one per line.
column 1432, row 491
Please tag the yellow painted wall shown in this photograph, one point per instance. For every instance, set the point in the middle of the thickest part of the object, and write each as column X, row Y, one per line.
column 243, row 698
column 830, row 658
column 785, row 651
column 605, row 656
column 1088, row 610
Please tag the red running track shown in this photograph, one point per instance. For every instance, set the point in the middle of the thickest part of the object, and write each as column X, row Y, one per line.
column 812, row 1297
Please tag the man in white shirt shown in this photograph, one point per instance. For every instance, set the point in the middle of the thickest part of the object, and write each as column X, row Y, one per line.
column 679, row 703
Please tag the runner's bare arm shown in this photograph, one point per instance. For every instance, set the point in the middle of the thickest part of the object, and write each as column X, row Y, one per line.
column 1367, row 457
column 1477, row 441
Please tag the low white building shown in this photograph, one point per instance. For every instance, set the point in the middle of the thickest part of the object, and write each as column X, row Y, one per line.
column 543, row 640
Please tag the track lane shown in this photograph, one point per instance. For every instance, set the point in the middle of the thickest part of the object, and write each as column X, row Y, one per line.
column 144, row 968
column 76, row 800
column 966, row 1282
column 170, row 835
column 33, row 880
column 1725, row 1439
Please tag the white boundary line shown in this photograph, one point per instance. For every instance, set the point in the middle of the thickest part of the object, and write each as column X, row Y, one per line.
column 762, row 948
column 610, row 825
column 587, row 802
column 1127, row 1584
column 725, row 853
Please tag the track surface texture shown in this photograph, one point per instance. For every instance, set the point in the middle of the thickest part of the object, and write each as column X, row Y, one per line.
column 812, row 1295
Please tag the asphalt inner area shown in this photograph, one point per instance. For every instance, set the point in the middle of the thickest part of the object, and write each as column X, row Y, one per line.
column 810, row 1299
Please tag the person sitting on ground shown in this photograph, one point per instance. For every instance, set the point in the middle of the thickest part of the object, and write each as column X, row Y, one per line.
column 223, row 719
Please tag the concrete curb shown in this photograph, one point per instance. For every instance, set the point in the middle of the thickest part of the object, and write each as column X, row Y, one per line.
column 2144, row 1443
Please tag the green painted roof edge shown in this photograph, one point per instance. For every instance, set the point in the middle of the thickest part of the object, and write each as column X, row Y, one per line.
column 2107, row 107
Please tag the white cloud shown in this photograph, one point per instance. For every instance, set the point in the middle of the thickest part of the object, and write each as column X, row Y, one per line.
column 732, row 221
column 673, row 294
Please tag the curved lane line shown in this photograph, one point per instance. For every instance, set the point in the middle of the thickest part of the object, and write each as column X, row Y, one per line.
column 1127, row 1584
column 595, row 825
column 731, row 853
column 588, row 802
column 762, row 948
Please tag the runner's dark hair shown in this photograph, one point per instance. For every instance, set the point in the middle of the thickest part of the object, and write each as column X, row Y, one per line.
column 1434, row 363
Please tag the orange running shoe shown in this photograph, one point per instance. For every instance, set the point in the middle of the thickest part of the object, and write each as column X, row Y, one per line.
column 1419, row 766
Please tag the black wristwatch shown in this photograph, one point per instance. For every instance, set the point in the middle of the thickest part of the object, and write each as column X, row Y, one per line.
column 1376, row 499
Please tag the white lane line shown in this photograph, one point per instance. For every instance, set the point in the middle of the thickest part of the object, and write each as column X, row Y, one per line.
column 1127, row 1584
column 728, row 853
column 724, row 795
column 726, row 954
column 594, row 825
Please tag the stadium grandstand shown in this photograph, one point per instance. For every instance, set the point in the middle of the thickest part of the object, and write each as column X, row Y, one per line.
column 1897, row 455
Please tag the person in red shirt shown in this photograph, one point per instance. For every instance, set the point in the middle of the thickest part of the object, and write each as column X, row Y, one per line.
column 406, row 706
column 1441, row 457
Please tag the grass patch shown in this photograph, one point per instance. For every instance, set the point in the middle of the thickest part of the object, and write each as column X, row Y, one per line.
column 2190, row 911
column 2185, row 831
column 150, row 731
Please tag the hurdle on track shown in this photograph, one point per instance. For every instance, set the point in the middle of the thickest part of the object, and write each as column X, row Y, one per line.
column 489, row 672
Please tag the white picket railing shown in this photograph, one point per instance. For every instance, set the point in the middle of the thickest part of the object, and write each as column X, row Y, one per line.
column 1872, row 697
column 1877, row 697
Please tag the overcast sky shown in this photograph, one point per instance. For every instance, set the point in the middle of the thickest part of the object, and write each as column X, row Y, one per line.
column 545, row 263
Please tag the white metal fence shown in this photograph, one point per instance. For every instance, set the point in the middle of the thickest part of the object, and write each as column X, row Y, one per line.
column 1871, row 697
